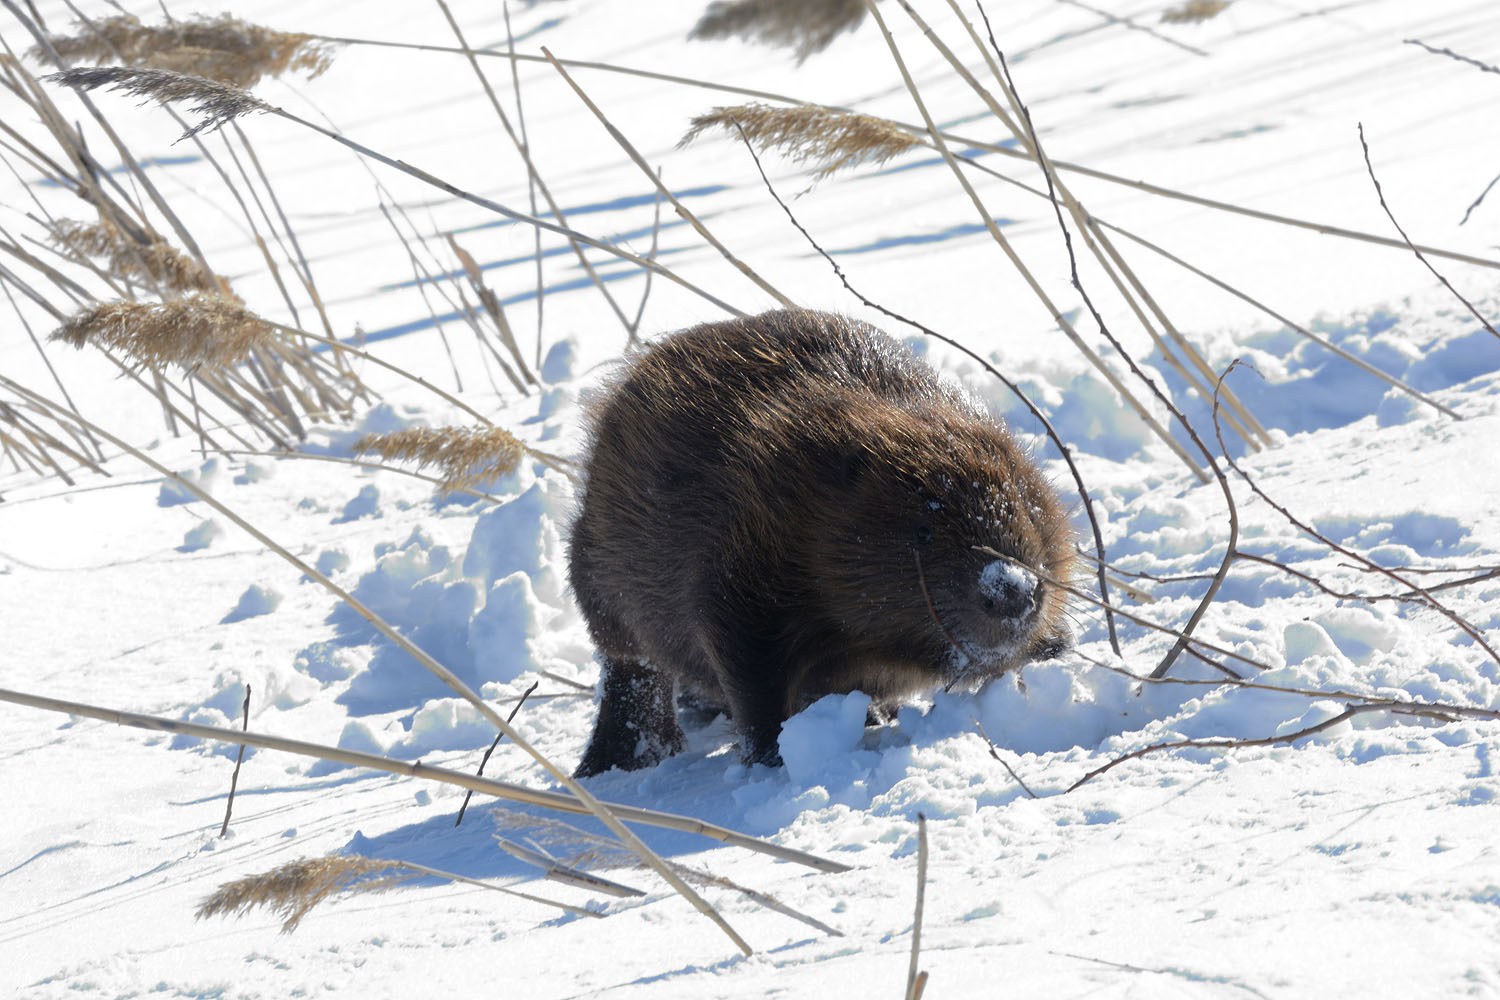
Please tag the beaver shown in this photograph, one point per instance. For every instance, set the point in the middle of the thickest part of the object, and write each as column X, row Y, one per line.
column 790, row 505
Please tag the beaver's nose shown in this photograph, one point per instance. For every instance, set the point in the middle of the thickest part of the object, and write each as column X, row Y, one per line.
column 1007, row 590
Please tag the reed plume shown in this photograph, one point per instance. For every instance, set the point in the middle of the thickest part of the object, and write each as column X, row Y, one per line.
column 806, row 26
column 156, row 260
column 293, row 889
column 1193, row 11
column 204, row 329
column 218, row 103
column 224, row 48
column 464, row 457
column 832, row 139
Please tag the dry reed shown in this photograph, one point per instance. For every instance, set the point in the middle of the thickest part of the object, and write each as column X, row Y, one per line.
column 1194, row 11
column 293, row 889
column 222, row 48
column 193, row 332
column 218, row 103
column 831, row 139
column 806, row 26
column 464, row 457
column 155, row 261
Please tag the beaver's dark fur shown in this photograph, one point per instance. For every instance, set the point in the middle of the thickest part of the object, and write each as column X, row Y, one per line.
column 792, row 505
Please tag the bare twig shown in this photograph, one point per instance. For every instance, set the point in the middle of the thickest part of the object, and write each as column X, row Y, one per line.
column 1225, row 743
column 1001, row 760
column 1426, row 263
column 486, row 758
column 235, row 778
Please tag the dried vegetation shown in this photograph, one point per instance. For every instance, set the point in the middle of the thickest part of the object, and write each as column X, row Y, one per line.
column 223, row 48
column 829, row 140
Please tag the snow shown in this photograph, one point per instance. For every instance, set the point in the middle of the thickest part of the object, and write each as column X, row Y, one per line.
column 1357, row 861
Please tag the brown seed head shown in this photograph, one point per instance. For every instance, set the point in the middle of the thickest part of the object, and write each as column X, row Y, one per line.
column 464, row 456
column 807, row 26
column 218, row 103
column 157, row 260
column 1193, row 11
column 204, row 329
column 222, row 48
column 293, row 889
column 832, row 139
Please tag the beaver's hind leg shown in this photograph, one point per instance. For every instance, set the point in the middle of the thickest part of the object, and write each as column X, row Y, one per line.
column 637, row 725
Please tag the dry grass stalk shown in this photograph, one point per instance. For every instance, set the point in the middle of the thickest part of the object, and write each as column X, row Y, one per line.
column 222, row 48
column 200, row 330
column 665, row 192
column 293, row 889
column 1194, row 11
column 465, row 457
column 807, row 26
column 218, row 103
column 832, row 139
column 156, row 261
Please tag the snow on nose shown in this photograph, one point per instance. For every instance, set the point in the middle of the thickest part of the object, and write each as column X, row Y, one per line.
column 1007, row 590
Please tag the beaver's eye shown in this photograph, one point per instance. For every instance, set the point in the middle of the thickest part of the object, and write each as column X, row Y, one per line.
column 924, row 534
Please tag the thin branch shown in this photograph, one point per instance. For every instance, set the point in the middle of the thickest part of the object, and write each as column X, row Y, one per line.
column 1426, row 263
column 486, row 758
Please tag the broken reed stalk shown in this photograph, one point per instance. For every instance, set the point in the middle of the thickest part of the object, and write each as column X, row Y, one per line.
column 234, row 780
column 584, row 797
column 1036, row 412
column 916, row 981
column 220, row 104
column 534, row 176
column 496, row 311
column 1030, row 279
column 1370, row 169
column 662, row 189
column 427, row 772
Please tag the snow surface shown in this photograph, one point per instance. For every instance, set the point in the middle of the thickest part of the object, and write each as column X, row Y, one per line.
column 1362, row 861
